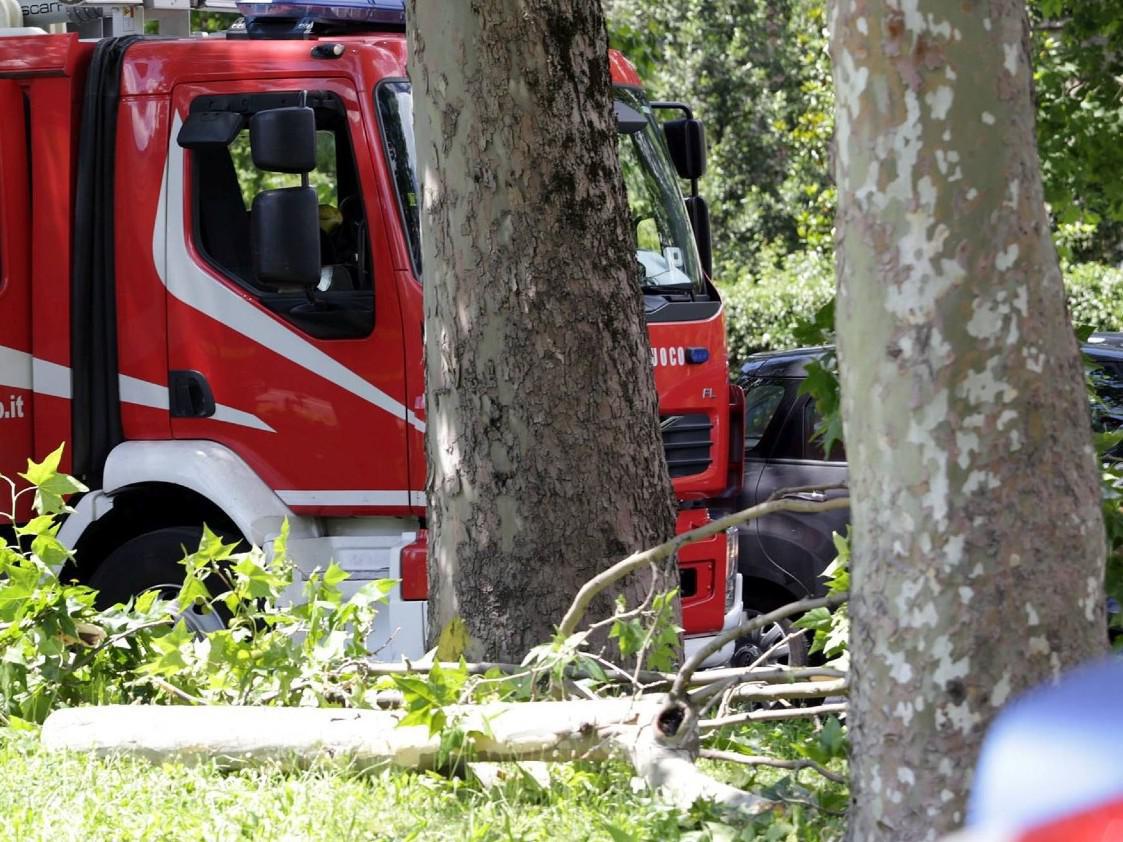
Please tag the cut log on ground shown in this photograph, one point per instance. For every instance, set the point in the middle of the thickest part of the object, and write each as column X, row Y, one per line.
column 658, row 738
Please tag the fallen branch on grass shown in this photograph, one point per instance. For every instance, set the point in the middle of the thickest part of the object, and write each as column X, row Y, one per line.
column 773, row 715
column 659, row 743
column 773, row 762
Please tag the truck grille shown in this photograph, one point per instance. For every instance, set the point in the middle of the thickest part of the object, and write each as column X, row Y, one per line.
column 686, row 443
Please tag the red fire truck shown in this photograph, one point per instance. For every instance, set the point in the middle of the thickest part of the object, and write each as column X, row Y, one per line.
column 210, row 291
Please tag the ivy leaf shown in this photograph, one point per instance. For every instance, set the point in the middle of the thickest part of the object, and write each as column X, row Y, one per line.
column 817, row 619
column 170, row 647
column 257, row 581
column 335, row 575
column 50, row 485
column 820, row 329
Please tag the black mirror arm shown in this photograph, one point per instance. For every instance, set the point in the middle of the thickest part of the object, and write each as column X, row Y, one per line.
column 674, row 106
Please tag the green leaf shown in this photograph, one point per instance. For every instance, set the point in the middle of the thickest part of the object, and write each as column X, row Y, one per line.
column 832, row 737
column 453, row 641
column 817, row 619
column 50, row 486
column 256, row 582
column 170, row 646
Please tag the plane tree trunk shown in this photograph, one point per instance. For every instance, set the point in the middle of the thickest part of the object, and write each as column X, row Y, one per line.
column 545, row 462
column 978, row 545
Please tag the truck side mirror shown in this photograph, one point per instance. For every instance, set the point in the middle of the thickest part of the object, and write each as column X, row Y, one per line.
column 285, row 237
column 686, row 139
column 284, row 139
column 699, row 213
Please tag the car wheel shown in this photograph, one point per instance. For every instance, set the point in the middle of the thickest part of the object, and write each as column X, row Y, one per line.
column 154, row 561
column 771, row 640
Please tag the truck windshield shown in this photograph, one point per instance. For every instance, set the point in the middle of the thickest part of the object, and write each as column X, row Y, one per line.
column 664, row 239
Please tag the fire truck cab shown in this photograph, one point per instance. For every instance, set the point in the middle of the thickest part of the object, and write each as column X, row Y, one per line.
column 210, row 290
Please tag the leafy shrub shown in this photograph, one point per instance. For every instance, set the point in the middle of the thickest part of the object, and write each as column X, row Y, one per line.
column 59, row 650
column 765, row 312
column 1095, row 295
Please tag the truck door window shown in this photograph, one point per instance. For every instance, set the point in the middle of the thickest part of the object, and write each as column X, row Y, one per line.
column 665, row 241
column 225, row 182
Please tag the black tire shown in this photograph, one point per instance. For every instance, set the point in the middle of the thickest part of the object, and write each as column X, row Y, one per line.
column 749, row 648
column 154, row 561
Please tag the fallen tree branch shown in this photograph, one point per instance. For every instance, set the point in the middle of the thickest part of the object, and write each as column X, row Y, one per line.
column 658, row 737
column 293, row 737
column 651, row 679
column 779, row 644
column 771, row 715
column 750, row 625
column 775, row 762
column 776, row 692
column 764, row 675
column 654, row 555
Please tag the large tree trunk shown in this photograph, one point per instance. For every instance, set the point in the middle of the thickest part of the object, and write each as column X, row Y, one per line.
column 978, row 542
column 545, row 463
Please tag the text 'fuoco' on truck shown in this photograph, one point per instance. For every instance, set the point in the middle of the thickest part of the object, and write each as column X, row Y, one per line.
column 210, row 291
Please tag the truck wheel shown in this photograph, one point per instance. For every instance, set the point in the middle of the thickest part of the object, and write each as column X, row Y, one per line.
column 153, row 561
column 752, row 646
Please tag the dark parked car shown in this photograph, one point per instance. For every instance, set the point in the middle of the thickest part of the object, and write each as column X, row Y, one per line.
column 783, row 555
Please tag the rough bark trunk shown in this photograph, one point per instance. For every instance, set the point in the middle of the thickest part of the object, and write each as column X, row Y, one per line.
column 978, row 543
column 545, row 463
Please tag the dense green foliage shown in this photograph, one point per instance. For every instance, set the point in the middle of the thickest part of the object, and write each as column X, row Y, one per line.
column 767, row 313
column 775, row 311
column 1078, row 54
column 60, row 650
column 1095, row 295
column 758, row 73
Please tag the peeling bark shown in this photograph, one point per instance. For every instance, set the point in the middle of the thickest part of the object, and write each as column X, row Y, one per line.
column 544, row 457
column 978, row 546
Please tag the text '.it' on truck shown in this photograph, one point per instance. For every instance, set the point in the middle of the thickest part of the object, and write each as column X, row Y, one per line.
column 211, row 293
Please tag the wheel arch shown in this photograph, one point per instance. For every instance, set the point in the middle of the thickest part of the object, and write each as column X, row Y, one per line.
column 153, row 485
column 141, row 508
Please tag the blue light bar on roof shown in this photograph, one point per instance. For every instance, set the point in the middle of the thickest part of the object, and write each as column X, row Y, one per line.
column 392, row 12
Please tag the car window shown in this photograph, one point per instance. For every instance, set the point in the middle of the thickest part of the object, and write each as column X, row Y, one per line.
column 1107, row 380
column 762, row 399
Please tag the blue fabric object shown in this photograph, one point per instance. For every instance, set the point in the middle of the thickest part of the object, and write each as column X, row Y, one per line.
column 1054, row 751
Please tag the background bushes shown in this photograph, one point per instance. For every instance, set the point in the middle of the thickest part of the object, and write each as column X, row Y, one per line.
column 762, row 313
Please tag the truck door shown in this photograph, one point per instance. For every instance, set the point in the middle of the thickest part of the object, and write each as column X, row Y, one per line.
column 15, row 291
column 306, row 386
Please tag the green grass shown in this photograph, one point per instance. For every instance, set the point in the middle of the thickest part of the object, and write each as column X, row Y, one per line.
column 46, row 796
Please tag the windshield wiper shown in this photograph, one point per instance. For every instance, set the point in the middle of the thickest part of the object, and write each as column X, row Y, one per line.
column 687, row 287
column 668, row 289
